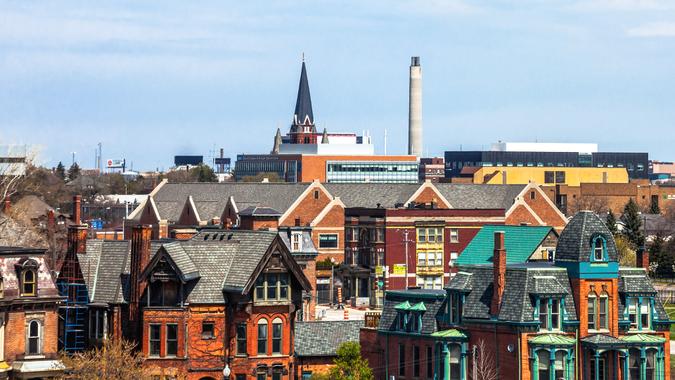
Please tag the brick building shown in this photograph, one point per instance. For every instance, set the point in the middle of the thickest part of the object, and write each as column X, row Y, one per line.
column 29, row 319
column 580, row 317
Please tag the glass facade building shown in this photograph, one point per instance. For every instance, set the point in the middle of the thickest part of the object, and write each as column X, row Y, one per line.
column 371, row 171
column 250, row 165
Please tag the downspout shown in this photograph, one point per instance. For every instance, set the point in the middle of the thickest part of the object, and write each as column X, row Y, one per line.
column 386, row 359
column 520, row 354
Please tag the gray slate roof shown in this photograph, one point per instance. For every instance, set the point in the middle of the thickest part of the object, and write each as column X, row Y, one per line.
column 210, row 198
column 322, row 338
column 479, row 196
column 368, row 195
column 434, row 301
column 521, row 283
column 575, row 242
column 636, row 281
column 460, row 282
column 187, row 268
column 105, row 268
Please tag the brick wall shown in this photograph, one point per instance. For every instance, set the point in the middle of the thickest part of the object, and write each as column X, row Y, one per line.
column 15, row 332
column 308, row 208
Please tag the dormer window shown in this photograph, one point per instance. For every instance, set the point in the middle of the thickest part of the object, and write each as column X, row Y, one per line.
column 27, row 271
column 549, row 314
column 639, row 313
column 272, row 287
column 454, row 308
column 296, row 241
column 599, row 249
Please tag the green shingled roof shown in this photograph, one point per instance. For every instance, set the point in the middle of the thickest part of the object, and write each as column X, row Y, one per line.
column 520, row 241
column 449, row 334
column 403, row 306
column 552, row 340
column 642, row 338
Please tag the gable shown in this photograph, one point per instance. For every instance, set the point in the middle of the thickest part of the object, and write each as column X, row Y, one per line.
column 189, row 215
column 278, row 257
column 521, row 214
column 544, row 207
column 306, row 208
column 427, row 194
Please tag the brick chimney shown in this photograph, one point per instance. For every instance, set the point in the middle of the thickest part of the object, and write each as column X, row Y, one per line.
column 642, row 258
column 140, row 256
column 7, row 206
column 498, row 273
column 75, row 216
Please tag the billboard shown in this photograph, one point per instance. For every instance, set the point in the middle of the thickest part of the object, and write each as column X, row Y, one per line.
column 188, row 160
column 115, row 164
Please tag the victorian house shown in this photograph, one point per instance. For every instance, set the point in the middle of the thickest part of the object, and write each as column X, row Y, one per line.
column 578, row 317
column 28, row 316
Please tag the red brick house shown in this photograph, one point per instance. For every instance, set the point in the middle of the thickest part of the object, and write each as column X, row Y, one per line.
column 579, row 317
column 29, row 318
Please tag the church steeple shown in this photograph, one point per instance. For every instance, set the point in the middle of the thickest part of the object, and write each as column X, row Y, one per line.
column 303, row 105
column 277, row 142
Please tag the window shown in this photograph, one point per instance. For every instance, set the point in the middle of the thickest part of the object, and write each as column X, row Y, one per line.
column 276, row 336
column 2, row 288
column 598, row 249
column 602, row 310
column 559, row 368
column 34, row 343
column 555, row 314
column 28, row 283
column 430, row 282
column 639, row 311
column 454, row 235
column 277, row 373
column 634, row 363
column 262, row 337
column 632, row 312
column 155, row 334
column 591, row 311
column 422, row 235
column 328, row 240
column 544, row 358
column 261, row 375
column 455, row 308
column 430, row 362
column 416, row 361
column 296, row 241
column 649, row 365
column 208, row 330
column 644, row 315
column 549, row 177
column 455, row 357
column 549, row 314
column 430, row 235
column 602, row 370
column 171, row 339
column 532, row 194
column 401, row 360
column 425, row 258
column 241, row 339
column 272, row 287
column 316, row 194
column 543, row 314
column 559, row 177
column 96, row 323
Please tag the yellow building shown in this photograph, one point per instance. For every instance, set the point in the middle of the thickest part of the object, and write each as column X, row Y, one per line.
column 548, row 175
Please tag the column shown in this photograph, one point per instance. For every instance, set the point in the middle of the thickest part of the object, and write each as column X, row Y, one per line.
column 535, row 365
column 624, row 366
column 105, row 324
column 462, row 362
column 446, row 361
column 643, row 359
column 551, row 362
column 596, row 355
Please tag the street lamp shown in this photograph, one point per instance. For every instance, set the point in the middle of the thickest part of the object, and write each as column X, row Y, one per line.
column 226, row 372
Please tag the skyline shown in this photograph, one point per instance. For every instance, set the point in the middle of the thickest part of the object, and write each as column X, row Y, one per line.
column 152, row 81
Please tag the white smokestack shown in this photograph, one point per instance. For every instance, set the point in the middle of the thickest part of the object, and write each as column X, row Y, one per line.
column 415, row 108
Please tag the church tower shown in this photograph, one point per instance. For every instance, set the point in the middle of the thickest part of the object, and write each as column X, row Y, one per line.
column 303, row 130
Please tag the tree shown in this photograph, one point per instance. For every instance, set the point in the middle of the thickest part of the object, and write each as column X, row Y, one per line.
column 598, row 205
column 625, row 251
column 611, row 222
column 117, row 359
column 349, row 365
column 60, row 170
column 632, row 224
column 73, row 171
column 654, row 206
column 206, row 174
column 484, row 363
column 661, row 255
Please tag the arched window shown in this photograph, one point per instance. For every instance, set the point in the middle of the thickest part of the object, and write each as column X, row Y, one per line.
column 603, row 310
column 544, row 358
column 28, row 282
column 599, row 249
column 634, row 363
column 651, row 365
column 592, row 299
column 455, row 362
column 277, row 335
column 560, row 365
column 262, row 337
column 33, row 338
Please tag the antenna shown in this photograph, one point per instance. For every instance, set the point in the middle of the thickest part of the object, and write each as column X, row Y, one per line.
column 303, row 56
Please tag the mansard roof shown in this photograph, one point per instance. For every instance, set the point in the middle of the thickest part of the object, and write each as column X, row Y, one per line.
column 105, row 270
column 432, row 301
column 576, row 240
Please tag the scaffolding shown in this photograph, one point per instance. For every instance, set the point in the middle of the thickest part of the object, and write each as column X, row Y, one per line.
column 73, row 311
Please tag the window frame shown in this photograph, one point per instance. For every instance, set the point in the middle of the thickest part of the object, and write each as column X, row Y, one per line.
column 168, row 342
column 30, row 338
column 32, row 283
column 262, row 337
column 208, row 335
column 154, row 344
column 592, row 303
column 454, row 235
column 277, row 341
column 331, row 246
column 282, row 286
column 240, row 339
column 595, row 248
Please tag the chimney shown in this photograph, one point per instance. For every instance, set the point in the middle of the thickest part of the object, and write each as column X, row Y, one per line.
column 140, row 256
column 415, row 108
column 297, row 222
column 498, row 273
column 77, row 201
column 642, row 258
column 7, row 207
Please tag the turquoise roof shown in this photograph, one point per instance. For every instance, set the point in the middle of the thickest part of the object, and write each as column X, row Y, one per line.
column 520, row 241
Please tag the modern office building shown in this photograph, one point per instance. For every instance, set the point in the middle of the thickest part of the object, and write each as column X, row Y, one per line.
column 546, row 155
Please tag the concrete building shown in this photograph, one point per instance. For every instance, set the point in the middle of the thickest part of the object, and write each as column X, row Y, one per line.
column 432, row 169
column 543, row 175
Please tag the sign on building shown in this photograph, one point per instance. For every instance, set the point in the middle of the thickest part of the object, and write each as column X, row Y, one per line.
column 115, row 164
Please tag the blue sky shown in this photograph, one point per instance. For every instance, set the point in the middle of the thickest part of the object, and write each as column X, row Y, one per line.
column 154, row 79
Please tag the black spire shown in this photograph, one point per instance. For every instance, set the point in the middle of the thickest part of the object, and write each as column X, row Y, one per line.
column 303, row 105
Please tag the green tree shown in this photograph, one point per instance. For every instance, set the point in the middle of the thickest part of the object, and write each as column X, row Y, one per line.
column 625, row 251
column 205, row 174
column 611, row 222
column 349, row 365
column 660, row 253
column 61, row 170
column 73, row 171
column 632, row 224
column 654, row 206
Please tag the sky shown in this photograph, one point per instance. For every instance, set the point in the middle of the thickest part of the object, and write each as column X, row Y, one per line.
column 150, row 80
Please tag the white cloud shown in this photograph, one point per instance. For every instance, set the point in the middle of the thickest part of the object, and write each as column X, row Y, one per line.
column 654, row 29
column 623, row 5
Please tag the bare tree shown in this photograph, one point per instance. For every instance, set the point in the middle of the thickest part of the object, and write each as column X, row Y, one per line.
column 598, row 205
column 18, row 161
column 484, row 365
